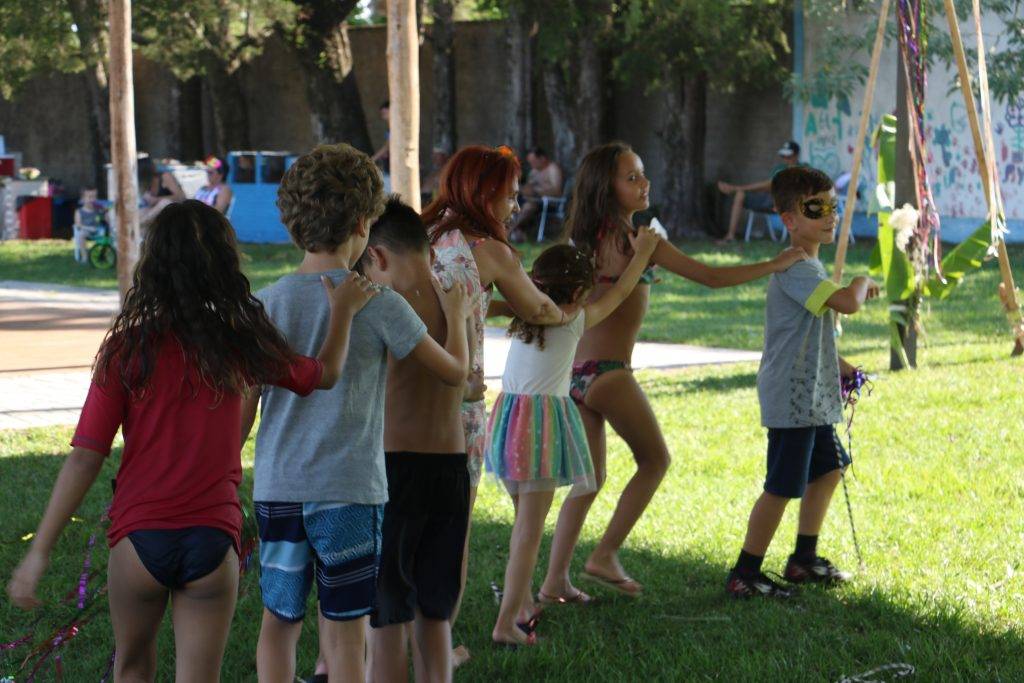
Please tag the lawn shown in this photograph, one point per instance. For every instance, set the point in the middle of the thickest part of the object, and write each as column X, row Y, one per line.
column 936, row 493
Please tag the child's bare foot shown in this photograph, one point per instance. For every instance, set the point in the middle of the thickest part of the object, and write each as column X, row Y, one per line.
column 610, row 574
column 512, row 637
column 460, row 655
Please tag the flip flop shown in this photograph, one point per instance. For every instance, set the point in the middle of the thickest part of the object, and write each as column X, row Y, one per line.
column 617, row 585
column 530, row 625
column 580, row 598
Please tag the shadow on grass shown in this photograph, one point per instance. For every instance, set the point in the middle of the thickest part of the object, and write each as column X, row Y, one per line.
column 683, row 628
column 686, row 628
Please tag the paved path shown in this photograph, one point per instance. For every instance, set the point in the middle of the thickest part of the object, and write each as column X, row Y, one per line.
column 50, row 333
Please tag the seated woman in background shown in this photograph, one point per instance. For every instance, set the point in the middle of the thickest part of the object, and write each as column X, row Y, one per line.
column 216, row 192
column 159, row 188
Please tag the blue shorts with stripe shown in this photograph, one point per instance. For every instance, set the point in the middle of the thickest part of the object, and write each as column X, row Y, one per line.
column 339, row 543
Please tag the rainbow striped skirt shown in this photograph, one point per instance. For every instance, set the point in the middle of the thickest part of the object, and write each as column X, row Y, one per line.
column 537, row 443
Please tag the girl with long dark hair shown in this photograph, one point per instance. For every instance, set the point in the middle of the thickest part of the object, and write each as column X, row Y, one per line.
column 189, row 342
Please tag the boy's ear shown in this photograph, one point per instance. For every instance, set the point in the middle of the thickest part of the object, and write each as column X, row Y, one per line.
column 433, row 256
column 378, row 257
column 788, row 219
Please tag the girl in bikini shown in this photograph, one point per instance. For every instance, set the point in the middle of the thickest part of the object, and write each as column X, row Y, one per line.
column 610, row 188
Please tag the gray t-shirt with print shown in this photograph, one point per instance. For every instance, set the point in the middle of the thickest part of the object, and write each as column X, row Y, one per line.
column 329, row 446
column 798, row 381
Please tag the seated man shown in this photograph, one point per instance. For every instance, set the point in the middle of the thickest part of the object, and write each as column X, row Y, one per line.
column 544, row 180
column 756, row 196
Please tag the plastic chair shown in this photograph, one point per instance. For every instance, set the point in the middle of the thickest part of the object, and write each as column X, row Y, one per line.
column 554, row 205
column 772, row 224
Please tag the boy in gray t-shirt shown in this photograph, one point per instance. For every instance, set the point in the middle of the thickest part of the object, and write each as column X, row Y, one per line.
column 320, row 485
column 798, row 386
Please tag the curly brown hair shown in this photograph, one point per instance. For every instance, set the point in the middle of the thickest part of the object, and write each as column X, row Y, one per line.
column 560, row 272
column 188, row 285
column 324, row 194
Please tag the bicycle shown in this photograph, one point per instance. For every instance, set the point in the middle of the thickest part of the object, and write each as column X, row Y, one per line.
column 102, row 254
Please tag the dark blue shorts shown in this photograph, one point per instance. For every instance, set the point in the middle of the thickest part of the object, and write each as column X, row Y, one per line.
column 799, row 455
column 176, row 557
column 337, row 543
column 759, row 201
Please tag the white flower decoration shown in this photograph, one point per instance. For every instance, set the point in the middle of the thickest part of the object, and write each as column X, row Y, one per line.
column 904, row 222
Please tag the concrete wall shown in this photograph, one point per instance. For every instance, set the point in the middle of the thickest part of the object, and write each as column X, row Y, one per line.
column 49, row 124
column 49, row 121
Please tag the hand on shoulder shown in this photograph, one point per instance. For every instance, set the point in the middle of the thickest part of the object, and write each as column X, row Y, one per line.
column 789, row 256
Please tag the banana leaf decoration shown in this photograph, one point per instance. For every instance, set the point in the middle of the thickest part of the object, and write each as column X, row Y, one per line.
column 887, row 261
column 893, row 265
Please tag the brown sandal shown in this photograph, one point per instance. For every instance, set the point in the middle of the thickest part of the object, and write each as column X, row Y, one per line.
column 580, row 598
column 617, row 585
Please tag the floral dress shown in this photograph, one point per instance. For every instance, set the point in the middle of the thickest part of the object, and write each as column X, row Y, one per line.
column 454, row 262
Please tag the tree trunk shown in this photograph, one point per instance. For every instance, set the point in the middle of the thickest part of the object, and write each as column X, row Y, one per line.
column 404, row 88
column 442, row 33
column 322, row 45
column 519, row 112
column 682, row 135
column 557, row 92
column 905, row 194
column 190, row 119
column 230, row 110
column 123, row 154
column 588, row 105
column 90, row 17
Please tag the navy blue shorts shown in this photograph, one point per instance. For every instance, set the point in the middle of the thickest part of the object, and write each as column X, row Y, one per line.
column 799, row 455
column 338, row 543
column 759, row 201
column 176, row 557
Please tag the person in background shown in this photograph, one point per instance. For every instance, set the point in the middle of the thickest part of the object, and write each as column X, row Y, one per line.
column 216, row 193
column 382, row 157
column 88, row 217
column 756, row 196
column 545, row 179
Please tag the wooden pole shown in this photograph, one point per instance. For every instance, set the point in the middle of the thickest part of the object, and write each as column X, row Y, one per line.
column 404, row 88
column 122, row 142
column 905, row 193
column 1009, row 294
column 858, row 150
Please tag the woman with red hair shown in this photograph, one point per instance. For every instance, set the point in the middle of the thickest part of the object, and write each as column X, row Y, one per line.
column 468, row 226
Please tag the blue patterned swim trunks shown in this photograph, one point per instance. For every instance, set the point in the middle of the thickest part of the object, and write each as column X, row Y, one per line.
column 339, row 543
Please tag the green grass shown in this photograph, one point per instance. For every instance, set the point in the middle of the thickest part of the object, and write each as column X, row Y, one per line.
column 680, row 311
column 52, row 261
column 936, row 490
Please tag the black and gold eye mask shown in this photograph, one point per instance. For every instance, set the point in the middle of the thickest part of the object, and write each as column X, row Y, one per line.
column 819, row 208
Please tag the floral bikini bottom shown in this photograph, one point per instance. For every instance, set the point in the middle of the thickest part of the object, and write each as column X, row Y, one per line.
column 585, row 372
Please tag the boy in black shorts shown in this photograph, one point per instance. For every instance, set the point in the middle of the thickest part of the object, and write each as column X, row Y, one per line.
column 427, row 513
column 798, row 385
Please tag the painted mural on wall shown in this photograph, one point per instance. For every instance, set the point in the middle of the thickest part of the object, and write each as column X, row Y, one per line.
column 829, row 130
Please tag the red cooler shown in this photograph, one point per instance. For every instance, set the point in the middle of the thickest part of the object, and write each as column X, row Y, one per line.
column 36, row 218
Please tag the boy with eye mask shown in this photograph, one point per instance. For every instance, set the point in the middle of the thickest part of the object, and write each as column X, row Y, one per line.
column 798, row 385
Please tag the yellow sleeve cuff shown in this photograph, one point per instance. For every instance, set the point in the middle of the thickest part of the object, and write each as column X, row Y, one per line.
column 816, row 301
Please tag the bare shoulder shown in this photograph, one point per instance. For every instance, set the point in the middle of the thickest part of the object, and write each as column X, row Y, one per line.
column 494, row 250
column 493, row 257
